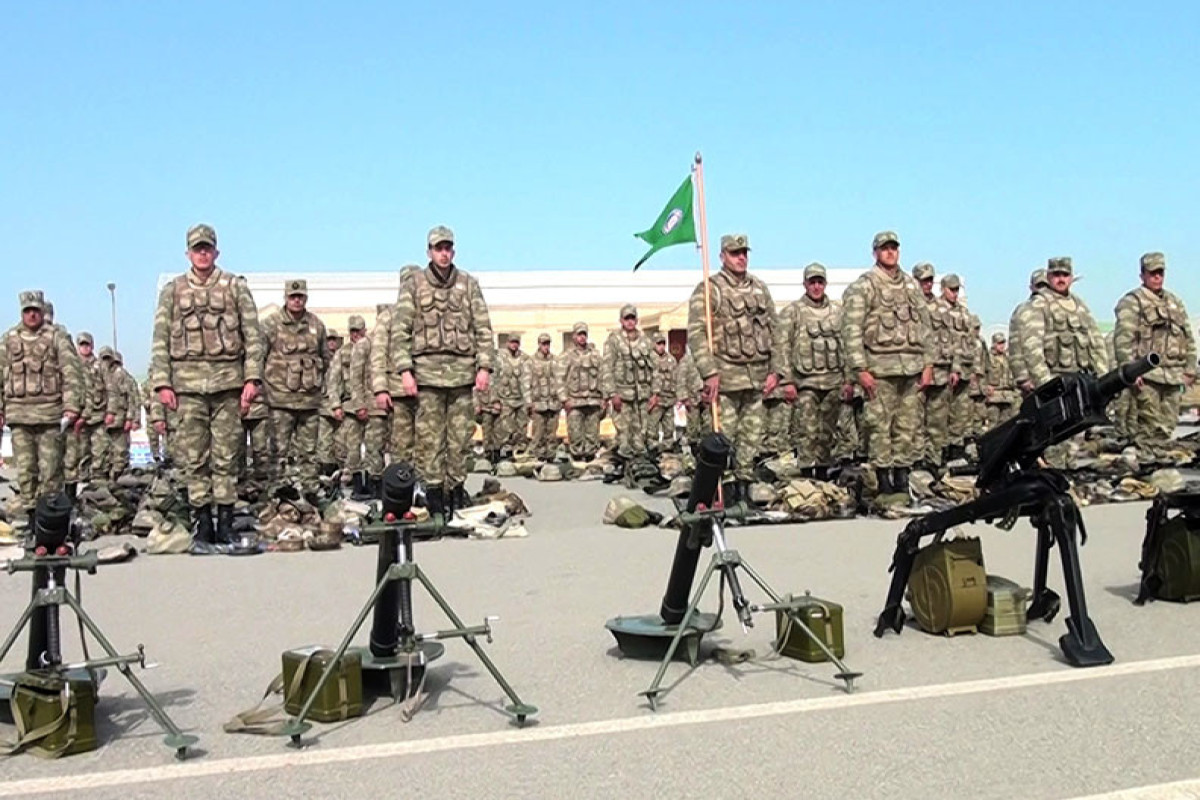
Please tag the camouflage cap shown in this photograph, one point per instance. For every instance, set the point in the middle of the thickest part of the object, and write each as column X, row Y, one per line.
column 998, row 337
column 513, row 337
column 295, row 286
column 922, row 271
column 201, row 234
column 440, row 233
column 544, row 338
column 579, row 327
column 1037, row 278
column 84, row 338
column 734, row 241
column 814, row 270
column 1060, row 264
column 1153, row 262
column 885, row 237
column 32, row 298
column 106, row 352
column 356, row 323
column 951, row 281
column 660, row 338
column 116, row 356
column 381, row 307
column 628, row 310
column 332, row 333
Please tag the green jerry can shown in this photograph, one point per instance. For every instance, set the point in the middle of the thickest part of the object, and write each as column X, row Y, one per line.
column 823, row 617
column 342, row 695
column 1006, row 606
column 55, row 716
column 948, row 586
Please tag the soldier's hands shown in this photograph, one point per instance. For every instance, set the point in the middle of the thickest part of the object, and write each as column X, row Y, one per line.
column 339, row 414
column 410, row 383
column 867, row 381
column 109, row 419
column 989, row 390
column 383, row 401
column 361, row 415
column 482, row 379
column 771, row 385
column 249, row 392
column 1188, row 380
column 789, row 393
column 77, row 427
column 165, row 396
column 566, row 405
column 614, row 403
column 652, row 403
column 712, row 387
column 128, row 426
column 70, row 416
column 847, row 392
column 955, row 379
column 161, row 427
column 1026, row 387
column 1, row 421
column 1138, row 384
column 926, row 377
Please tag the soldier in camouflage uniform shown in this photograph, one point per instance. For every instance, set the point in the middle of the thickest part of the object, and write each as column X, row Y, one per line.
column 294, row 384
column 386, row 383
column 206, row 363
column 366, row 423
column 331, row 446
column 581, row 390
column 544, row 402
column 812, row 338
column 487, row 416
column 256, row 454
column 444, row 352
column 999, row 387
column 510, row 387
column 975, row 389
column 1123, row 409
column 1037, row 285
column 662, row 386
column 688, row 386
column 889, row 351
column 746, row 356
column 929, row 455
column 77, row 456
column 1151, row 319
column 127, row 413
column 156, row 412
column 947, row 404
column 153, row 439
column 628, row 376
column 41, row 385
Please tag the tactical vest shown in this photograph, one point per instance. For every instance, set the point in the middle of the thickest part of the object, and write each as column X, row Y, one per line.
column 294, row 357
column 1067, row 343
column 541, row 372
column 508, row 376
column 635, row 363
column 96, row 401
column 343, row 356
column 893, row 321
column 206, row 325
column 741, row 320
column 583, row 373
column 118, row 391
column 33, row 369
column 1162, row 328
column 664, row 365
column 953, row 334
column 442, row 322
column 943, row 340
column 817, row 345
column 1000, row 378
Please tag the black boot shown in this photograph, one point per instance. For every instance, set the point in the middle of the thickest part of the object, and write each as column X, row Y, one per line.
column 328, row 468
column 435, row 502
column 900, row 479
column 730, row 494
column 883, row 476
column 821, row 473
column 71, row 490
column 225, row 534
column 359, row 490
column 204, row 524
column 459, row 498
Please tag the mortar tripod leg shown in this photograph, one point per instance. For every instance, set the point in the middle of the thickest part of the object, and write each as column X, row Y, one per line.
column 652, row 693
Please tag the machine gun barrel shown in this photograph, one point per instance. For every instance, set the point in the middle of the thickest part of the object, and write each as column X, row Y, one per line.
column 1111, row 383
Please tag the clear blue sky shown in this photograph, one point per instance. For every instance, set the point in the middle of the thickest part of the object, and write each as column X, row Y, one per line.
column 323, row 136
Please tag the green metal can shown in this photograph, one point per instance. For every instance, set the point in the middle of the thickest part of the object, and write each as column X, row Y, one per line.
column 822, row 617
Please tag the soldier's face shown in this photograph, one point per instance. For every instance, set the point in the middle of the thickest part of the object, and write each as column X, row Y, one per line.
column 735, row 261
column 581, row 339
column 296, row 303
column 927, row 286
column 950, row 294
column 1000, row 348
column 85, row 349
column 543, row 347
column 660, row 347
column 202, row 257
column 888, row 255
column 1060, row 281
column 356, row 335
column 514, row 345
column 32, row 318
column 1154, row 280
column 333, row 344
column 815, row 288
column 629, row 323
column 442, row 254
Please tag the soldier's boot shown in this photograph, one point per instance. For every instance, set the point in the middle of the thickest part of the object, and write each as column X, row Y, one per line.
column 883, row 477
column 821, row 473
column 376, row 487
column 204, row 524
column 459, row 497
column 731, row 493
column 435, row 503
column 358, row 488
column 225, row 534
column 900, row 479
column 71, row 490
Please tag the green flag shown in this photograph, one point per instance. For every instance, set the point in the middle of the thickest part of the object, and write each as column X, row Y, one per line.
column 675, row 225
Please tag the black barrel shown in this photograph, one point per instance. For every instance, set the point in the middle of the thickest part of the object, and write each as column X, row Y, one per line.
column 51, row 529
column 399, row 482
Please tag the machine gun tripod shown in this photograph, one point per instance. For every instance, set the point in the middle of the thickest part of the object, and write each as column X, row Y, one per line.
column 1012, row 486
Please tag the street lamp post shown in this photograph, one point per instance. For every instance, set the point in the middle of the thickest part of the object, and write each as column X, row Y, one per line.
column 112, row 290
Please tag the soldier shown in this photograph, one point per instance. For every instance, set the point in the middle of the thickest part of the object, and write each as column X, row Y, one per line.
column 928, row 456
column 817, row 390
column 999, row 387
column 628, row 375
column 544, row 403
column 366, row 423
column 487, row 416
column 581, row 391
column 386, row 384
column 946, row 399
column 1037, row 284
column 510, row 388
column 688, row 386
column 256, row 454
column 40, row 387
column 127, row 413
column 1152, row 320
column 331, row 447
column 889, row 351
column 1123, row 409
column 206, row 364
column 975, row 391
column 443, row 351
column 153, row 439
column 662, row 415
column 294, row 384
column 77, row 457
column 743, row 364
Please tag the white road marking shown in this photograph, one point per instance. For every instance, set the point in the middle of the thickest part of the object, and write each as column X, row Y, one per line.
column 546, row 733
column 1179, row 790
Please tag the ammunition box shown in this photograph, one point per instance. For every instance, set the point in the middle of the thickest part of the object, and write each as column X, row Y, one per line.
column 342, row 695
column 948, row 586
column 823, row 618
column 63, row 709
column 1006, row 606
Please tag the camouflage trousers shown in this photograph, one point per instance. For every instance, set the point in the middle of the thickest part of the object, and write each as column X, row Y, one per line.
column 512, row 427
column 295, row 453
column 962, row 414
column 256, row 457
column 331, row 449
column 155, row 440
column 934, row 435
column 662, row 423
column 38, row 451
column 1124, row 413
column 209, row 439
column 744, row 422
column 544, row 439
column 489, row 427
column 851, row 441
column 365, row 443
column 633, row 429
column 444, row 429
column 778, row 436
column 402, row 439
column 1000, row 412
column 118, row 452
column 100, row 446
column 77, row 454
column 699, row 422
column 1157, row 407
column 891, row 419
column 815, row 422
column 583, row 431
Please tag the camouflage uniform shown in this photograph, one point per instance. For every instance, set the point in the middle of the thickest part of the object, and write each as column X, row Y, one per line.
column 947, row 407
column 688, row 386
column 628, row 373
column 1123, row 409
column 978, row 417
column 581, row 391
column 510, row 388
column 813, row 349
column 1037, row 284
column 206, row 348
column 1156, row 322
column 41, row 379
column 886, row 332
column 1000, row 388
column 256, row 454
column 294, row 384
column 125, row 400
column 386, row 378
column 445, row 339
column 928, row 451
column 747, row 348
column 331, row 446
column 363, row 435
column 157, row 412
column 77, row 456
column 154, row 440
column 544, row 398
column 662, row 385
column 487, row 416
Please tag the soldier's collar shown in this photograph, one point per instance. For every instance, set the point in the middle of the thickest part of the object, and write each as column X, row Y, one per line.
column 195, row 278
column 437, row 279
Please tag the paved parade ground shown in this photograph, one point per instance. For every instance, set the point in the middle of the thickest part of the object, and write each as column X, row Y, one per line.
column 933, row 716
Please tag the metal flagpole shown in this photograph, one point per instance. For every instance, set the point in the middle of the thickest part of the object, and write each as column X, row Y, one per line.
column 698, row 171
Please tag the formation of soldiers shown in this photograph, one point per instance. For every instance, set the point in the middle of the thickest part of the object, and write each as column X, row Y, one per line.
column 895, row 374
